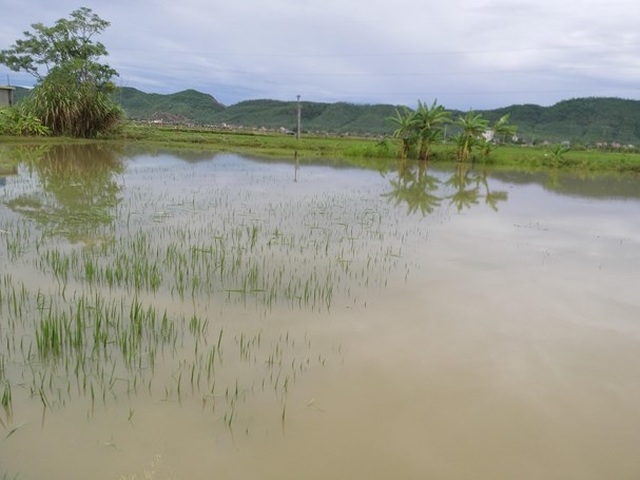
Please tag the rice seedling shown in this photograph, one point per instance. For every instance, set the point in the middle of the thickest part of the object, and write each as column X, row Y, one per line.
column 6, row 401
column 183, row 299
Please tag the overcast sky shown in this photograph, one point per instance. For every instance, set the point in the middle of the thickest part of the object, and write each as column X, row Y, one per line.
column 467, row 54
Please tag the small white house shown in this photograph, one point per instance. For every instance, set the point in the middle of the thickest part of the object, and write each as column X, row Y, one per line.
column 6, row 95
column 488, row 135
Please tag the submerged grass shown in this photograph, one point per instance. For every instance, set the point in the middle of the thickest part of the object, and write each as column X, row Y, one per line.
column 152, row 309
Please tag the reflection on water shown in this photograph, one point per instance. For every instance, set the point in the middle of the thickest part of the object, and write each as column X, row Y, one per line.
column 414, row 187
column 462, row 188
column 582, row 184
column 79, row 189
column 263, row 319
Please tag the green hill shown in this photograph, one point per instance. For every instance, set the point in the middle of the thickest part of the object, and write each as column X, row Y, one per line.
column 317, row 117
column 199, row 108
column 580, row 120
column 181, row 107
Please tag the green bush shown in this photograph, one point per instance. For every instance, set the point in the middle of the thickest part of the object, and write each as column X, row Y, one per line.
column 16, row 122
column 71, row 108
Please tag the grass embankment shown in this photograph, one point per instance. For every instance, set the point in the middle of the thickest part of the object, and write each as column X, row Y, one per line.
column 265, row 143
column 579, row 159
column 275, row 144
column 356, row 150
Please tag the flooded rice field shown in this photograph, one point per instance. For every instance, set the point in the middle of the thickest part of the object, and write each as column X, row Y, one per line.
column 198, row 316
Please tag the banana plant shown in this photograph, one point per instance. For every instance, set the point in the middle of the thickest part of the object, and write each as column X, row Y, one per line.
column 429, row 122
column 502, row 128
column 472, row 127
column 404, row 119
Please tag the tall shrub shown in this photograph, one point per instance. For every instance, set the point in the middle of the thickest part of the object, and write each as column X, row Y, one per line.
column 72, row 94
column 71, row 108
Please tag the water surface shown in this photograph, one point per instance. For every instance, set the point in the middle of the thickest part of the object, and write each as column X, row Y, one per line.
column 267, row 319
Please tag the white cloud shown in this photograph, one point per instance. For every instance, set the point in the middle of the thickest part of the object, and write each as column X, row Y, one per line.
column 466, row 54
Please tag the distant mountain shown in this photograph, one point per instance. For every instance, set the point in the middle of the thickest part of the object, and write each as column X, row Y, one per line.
column 191, row 106
column 580, row 120
column 320, row 117
column 182, row 107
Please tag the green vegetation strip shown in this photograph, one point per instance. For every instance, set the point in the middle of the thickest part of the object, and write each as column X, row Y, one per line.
column 369, row 151
column 359, row 151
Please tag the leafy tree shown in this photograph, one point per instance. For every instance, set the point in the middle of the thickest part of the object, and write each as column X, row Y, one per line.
column 420, row 128
column 497, row 133
column 71, row 81
column 404, row 120
column 428, row 123
column 69, row 42
column 486, row 147
column 503, row 128
column 472, row 126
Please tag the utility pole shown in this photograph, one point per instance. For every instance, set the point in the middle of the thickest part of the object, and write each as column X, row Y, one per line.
column 299, row 116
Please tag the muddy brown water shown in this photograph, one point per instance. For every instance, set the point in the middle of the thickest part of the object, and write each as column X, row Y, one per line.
column 481, row 325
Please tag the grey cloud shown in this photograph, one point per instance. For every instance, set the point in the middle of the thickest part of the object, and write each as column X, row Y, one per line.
column 465, row 54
